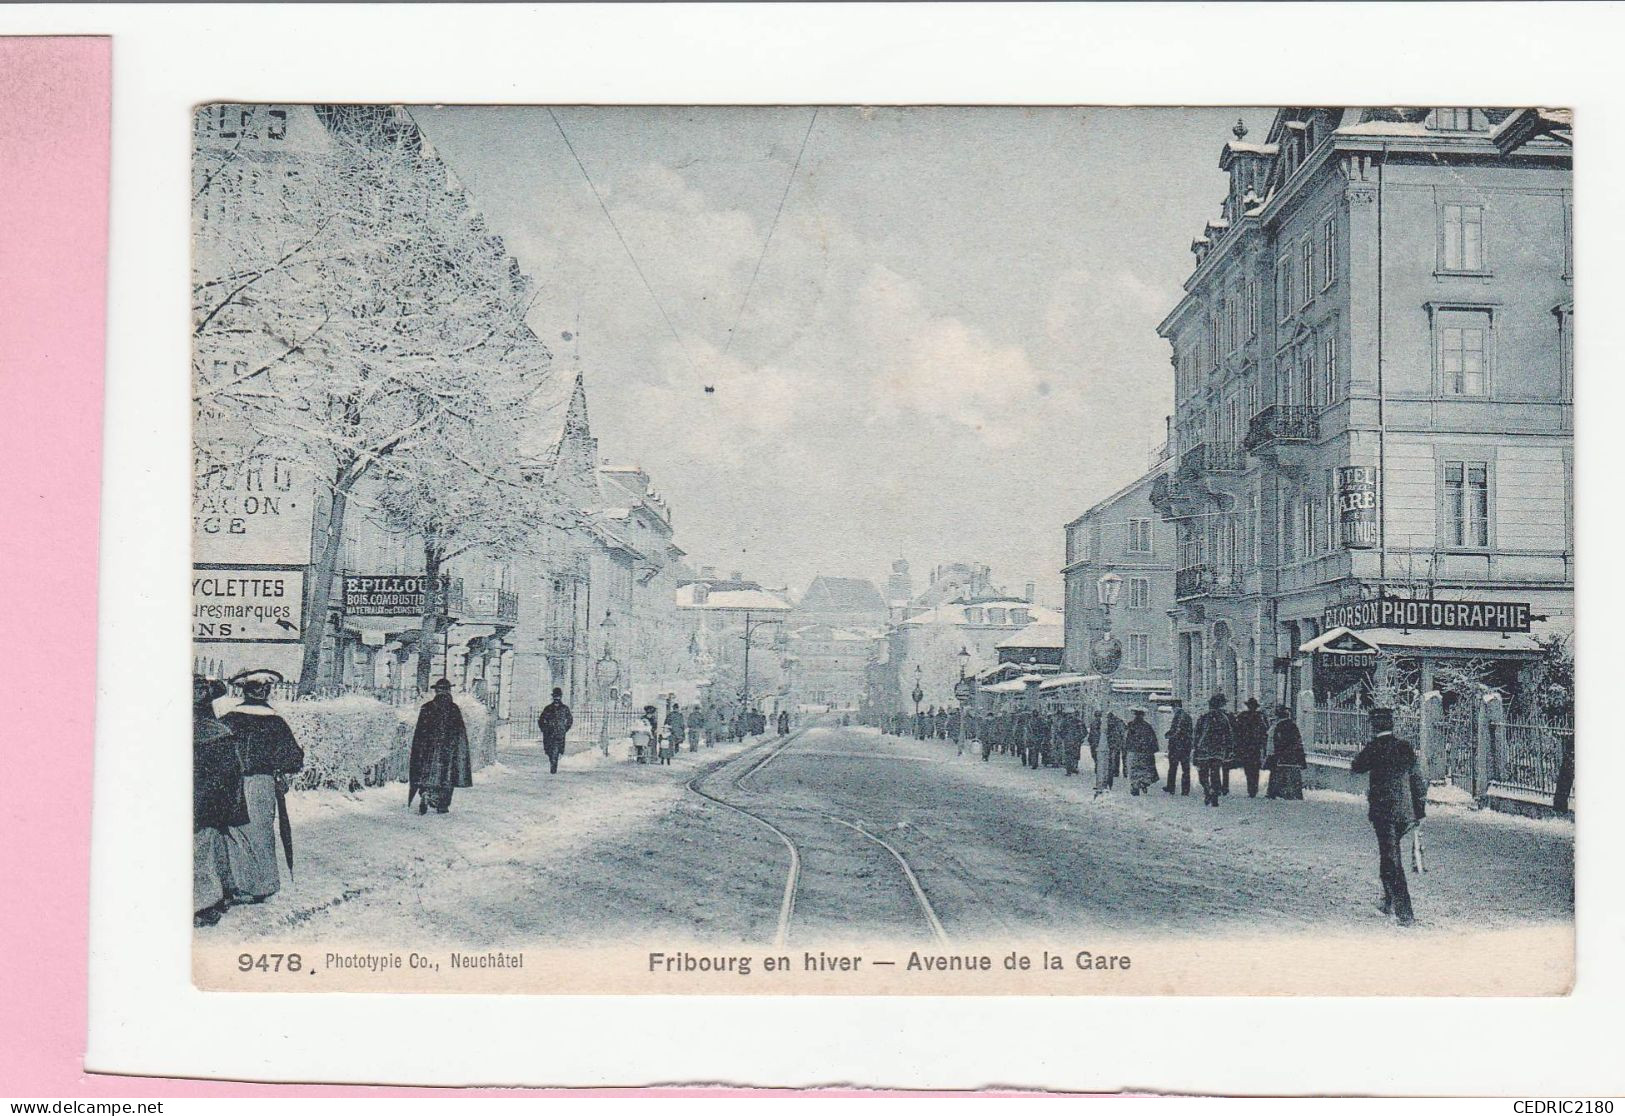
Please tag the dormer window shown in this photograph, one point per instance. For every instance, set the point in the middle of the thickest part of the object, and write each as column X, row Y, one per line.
column 1457, row 120
column 996, row 615
column 973, row 616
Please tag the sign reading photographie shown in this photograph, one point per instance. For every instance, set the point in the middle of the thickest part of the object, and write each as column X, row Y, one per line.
column 1357, row 505
column 246, row 604
column 253, row 512
column 391, row 594
column 1448, row 616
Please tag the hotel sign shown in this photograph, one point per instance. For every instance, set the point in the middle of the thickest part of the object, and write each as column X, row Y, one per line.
column 1357, row 506
column 1447, row 616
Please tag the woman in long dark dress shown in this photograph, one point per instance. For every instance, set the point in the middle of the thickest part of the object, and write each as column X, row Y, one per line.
column 1287, row 760
column 269, row 754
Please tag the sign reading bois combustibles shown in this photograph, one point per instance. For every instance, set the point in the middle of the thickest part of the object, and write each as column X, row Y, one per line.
column 392, row 594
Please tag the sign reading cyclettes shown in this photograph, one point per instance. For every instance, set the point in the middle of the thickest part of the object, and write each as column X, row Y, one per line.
column 247, row 604
column 1450, row 616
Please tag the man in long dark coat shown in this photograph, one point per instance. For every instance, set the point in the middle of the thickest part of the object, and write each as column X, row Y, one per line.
column 1252, row 731
column 1396, row 799
column 1140, row 741
column 440, row 760
column 1215, row 742
column 555, row 722
column 1117, row 744
column 218, row 805
column 269, row 754
column 1181, row 735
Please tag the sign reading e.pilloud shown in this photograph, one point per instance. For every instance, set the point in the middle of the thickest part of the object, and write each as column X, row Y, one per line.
column 392, row 594
column 1449, row 616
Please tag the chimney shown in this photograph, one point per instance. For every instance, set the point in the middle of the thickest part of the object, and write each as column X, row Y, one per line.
column 1029, row 597
column 702, row 592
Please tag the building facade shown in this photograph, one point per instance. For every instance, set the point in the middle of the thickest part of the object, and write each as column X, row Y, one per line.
column 1373, row 397
column 736, row 632
column 925, row 649
column 1126, row 536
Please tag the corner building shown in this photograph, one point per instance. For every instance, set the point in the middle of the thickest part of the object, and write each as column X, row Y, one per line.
column 1373, row 396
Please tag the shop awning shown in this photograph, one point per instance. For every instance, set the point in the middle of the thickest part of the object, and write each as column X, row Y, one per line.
column 1368, row 641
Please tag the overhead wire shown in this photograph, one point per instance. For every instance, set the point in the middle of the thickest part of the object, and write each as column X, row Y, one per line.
column 630, row 255
column 771, row 229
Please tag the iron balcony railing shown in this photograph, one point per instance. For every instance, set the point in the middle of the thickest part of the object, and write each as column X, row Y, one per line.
column 1177, row 496
column 1279, row 423
column 1207, row 580
column 1159, row 453
column 490, row 606
column 1213, row 459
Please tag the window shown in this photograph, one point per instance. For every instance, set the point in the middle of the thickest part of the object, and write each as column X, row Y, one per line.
column 1307, row 385
column 1457, row 120
column 1461, row 237
column 973, row 616
column 1306, row 260
column 1283, row 288
column 1139, row 536
column 1312, row 525
column 1139, row 651
column 996, row 615
column 1463, row 347
column 1467, row 503
column 1328, row 251
column 1139, row 592
column 1328, row 369
column 1020, row 616
column 1252, row 308
column 1289, row 548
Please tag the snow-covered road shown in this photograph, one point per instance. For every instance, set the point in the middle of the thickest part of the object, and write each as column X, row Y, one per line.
column 609, row 851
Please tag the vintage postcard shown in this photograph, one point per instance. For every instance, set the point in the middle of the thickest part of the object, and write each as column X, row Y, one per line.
column 1080, row 551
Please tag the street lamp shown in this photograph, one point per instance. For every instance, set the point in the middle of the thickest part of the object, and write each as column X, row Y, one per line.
column 919, row 696
column 608, row 669
column 961, row 696
column 1107, row 653
column 964, row 661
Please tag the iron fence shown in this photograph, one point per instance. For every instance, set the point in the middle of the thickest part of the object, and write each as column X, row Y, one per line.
column 591, row 724
column 1340, row 731
column 1527, row 756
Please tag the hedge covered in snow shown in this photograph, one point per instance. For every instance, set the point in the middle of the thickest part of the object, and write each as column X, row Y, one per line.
column 350, row 742
column 356, row 741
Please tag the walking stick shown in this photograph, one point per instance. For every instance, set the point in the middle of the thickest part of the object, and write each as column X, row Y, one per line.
column 1417, row 860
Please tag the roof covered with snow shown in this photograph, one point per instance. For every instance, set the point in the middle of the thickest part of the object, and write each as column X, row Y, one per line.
column 979, row 613
column 739, row 600
column 842, row 594
column 1039, row 635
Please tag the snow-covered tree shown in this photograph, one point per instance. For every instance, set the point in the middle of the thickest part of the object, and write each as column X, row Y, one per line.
column 350, row 310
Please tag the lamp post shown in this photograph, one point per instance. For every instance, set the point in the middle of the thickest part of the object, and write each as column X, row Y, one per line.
column 1107, row 653
column 961, row 693
column 750, row 629
column 919, row 696
column 607, row 668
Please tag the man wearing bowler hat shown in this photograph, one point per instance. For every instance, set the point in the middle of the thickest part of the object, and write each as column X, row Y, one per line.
column 440, row 761
column 1396, row 798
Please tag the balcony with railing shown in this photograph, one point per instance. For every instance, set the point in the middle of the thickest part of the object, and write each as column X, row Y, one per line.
column 1159, row 453
column 1206, row 579
column 490, row 606
column 1177, row 495
column 1281, row 425
column 1213, row 459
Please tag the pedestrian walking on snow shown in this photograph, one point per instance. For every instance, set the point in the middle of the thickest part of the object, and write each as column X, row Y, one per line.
column 555, row 723
column 1252, row 731
column 1287, row 760
column 218, row 805
column 440, row 760
column 1181, row 734
column 269, row 754
column 1213, row 745
column 1396, row 798
column 1141, row 741
column 784, row 722
column 676, row 727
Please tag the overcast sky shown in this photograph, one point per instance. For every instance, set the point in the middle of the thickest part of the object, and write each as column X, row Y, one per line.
column 950, row 348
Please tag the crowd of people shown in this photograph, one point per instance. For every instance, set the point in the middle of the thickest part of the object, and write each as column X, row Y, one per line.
column 1216, row 743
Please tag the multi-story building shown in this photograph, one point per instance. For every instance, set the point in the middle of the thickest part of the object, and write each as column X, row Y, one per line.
column 925, row 649
column 829, row 641
column 736, row 631
column 1122, row 535
column 1373, row 382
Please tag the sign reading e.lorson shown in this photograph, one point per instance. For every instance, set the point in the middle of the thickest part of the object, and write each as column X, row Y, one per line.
column 1450, row 616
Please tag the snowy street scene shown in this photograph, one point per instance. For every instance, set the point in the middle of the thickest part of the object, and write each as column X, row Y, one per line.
column 893, row 539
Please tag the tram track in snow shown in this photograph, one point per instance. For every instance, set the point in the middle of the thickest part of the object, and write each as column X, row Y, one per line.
column 752, row 762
